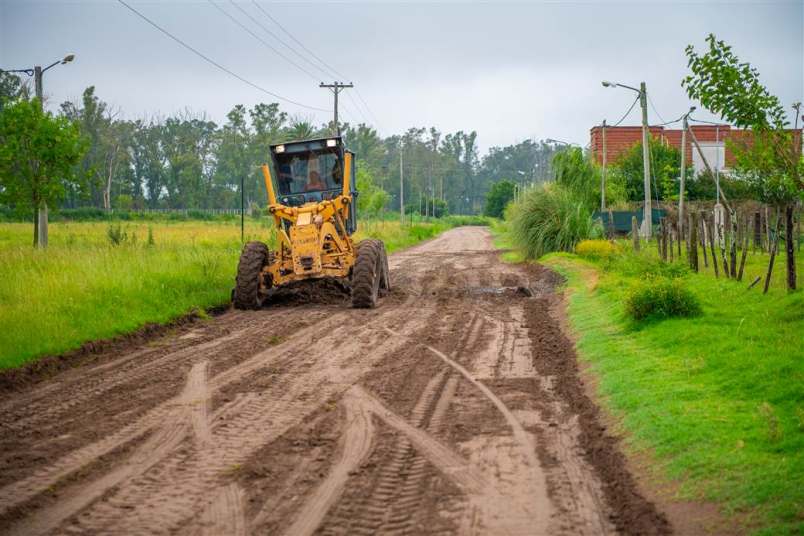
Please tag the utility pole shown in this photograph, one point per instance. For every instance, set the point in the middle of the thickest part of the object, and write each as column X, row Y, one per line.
column 336, row 88
column 41, row 214
column 603, row 175
column 684, row 126
column 401, row 186
column 647, row 220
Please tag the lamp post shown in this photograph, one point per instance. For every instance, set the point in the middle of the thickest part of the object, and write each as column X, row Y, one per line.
column 559, row 142
column 40, row 223
column 643, row 102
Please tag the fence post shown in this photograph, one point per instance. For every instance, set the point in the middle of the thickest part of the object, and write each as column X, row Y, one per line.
column 635, row 232
column 733, row 246
column 711, row 228
column 702, row 230
column 692, row 240
column 757, row 230
column 669, row 231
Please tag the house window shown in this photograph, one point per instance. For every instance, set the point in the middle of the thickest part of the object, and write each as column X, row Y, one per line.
column 715, row 154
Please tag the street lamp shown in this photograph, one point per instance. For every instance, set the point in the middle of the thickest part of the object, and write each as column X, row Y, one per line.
column 41, row 221
column 559, row 142
column 643, row 101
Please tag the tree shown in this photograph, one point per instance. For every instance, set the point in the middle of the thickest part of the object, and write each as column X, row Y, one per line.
column 665, row 170
column 38, row 155
column 11, row 88
column 371, row 198
column 770, row 158
column 500, row 194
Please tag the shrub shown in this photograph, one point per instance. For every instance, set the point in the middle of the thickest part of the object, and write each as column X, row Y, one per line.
column 550, row 218
column 499, row 195
column 661, row 297
column 596, row 249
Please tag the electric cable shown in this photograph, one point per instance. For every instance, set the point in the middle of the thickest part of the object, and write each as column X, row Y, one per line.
column 650, row 101
column 261, row 40
column 626, row 113
column 218, row 65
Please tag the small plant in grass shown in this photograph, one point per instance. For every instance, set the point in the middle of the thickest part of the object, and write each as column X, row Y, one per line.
column 116, row 234
column 151, row 242
column 596, row 249
column 661, row 297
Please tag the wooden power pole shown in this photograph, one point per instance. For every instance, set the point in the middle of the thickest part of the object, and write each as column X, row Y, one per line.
column 336, row 88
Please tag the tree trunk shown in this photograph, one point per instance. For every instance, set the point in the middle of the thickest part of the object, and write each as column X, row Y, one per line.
column 790, row 247
column 36, row 224
column 773, row 248
column 742, row 260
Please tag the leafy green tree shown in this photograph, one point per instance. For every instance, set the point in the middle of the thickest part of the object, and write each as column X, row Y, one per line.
column 11, row 88
column 299, row 129
column 38, row 155
column 500, row 194
column 770, row 158
column 665, row 171
column 371, row 198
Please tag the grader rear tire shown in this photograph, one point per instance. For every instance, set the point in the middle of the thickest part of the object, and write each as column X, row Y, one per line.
column 370, row 272
column 253, row 259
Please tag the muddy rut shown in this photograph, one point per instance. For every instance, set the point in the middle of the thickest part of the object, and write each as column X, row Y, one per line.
column 454, row 408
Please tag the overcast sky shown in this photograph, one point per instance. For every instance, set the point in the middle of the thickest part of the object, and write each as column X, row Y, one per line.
column 511, row 71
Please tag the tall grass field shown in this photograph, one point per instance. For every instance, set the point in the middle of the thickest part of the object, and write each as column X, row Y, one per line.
column 97, row 280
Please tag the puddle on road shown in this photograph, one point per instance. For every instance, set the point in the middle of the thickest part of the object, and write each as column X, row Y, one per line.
column 518, row 291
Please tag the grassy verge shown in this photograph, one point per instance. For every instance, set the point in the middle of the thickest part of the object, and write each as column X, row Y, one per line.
column 83, row 287
column 717, row 399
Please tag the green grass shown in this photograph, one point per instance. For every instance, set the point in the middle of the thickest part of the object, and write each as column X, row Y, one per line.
column 84, row 288
column 718, row 399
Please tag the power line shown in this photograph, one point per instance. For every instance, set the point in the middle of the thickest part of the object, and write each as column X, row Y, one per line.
column 650, row 101
column 332, row 72
column 329, row 69
column 358, row 108
column 626, row 113
column 216, row 64
column 261, row 40
column 370, row 111
column 272, row 34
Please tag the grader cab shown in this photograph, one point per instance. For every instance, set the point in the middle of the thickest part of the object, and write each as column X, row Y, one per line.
column 313, row 204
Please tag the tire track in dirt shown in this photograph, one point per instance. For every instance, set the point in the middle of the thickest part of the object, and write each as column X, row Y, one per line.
column 184, row 483
column 394, row 500
column 23, row 490
column 355, row 447
column 535, row 507
column 177, row 423
column 75, row 395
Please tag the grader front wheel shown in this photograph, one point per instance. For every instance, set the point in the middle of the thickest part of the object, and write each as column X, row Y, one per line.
column 253, row 259
column 370, row 274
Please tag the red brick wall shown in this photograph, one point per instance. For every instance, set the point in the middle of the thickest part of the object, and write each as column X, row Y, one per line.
column 620, row 139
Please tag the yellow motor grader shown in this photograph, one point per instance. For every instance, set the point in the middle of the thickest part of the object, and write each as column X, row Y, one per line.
column 315, row 216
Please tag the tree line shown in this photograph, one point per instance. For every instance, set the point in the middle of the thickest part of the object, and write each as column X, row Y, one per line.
column 187, row 161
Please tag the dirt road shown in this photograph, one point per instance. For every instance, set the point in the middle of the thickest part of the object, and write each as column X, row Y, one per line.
column 453, row 408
